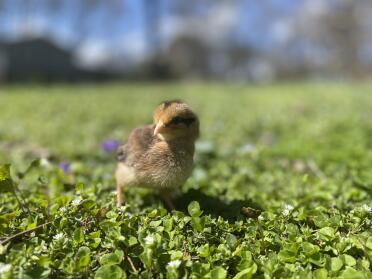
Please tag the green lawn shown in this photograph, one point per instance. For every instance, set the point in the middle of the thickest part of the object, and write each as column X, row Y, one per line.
column 283, row 184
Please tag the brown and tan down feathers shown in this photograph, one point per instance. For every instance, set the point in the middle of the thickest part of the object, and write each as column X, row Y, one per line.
column 160, row 156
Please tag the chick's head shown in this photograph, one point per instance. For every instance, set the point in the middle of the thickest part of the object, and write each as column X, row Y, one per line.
column 174, row 120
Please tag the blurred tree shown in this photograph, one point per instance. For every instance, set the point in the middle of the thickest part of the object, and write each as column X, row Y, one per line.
column 323, row 38
column 188, row 57
column 333, row 33
column 152, row 11
column 340, row 31
column 2, row 11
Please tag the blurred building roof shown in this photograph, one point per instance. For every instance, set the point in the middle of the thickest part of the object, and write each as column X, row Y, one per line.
column 40, row 59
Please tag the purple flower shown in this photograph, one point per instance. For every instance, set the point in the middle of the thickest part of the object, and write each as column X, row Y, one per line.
column 110, row 145
column 65, row 166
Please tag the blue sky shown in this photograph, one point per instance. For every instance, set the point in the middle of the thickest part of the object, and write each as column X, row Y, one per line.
column 252, row 24
column 120, row 32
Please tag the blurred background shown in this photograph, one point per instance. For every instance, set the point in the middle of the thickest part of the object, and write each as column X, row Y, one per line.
column 234, row 40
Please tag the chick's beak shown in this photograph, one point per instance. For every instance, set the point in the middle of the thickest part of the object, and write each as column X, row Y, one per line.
column 159, row 128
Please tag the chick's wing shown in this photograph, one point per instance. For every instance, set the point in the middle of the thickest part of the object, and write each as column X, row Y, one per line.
column 139, row 142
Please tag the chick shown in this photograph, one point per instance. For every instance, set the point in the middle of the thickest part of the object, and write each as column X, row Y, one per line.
column 159, row 156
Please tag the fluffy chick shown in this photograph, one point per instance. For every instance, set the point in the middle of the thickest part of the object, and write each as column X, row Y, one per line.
column 159, row 156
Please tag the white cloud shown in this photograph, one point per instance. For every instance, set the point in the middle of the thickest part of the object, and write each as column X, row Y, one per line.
column 129, row 50
column 133, row 44
column 315, row 7
column 93, row 53
column 282, row 30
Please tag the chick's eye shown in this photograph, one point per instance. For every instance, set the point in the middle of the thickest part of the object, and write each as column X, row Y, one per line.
column 177, row 120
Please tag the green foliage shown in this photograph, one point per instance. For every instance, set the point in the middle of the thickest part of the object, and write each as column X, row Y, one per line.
column 109, row 272
column 6, row 183
column 281, row 187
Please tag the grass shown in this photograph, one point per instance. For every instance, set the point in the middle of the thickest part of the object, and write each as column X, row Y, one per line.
column 281, row 187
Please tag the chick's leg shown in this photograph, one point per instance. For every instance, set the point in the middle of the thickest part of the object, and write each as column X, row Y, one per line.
column 119, row 177
column 119, row 195
column 167, row 197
